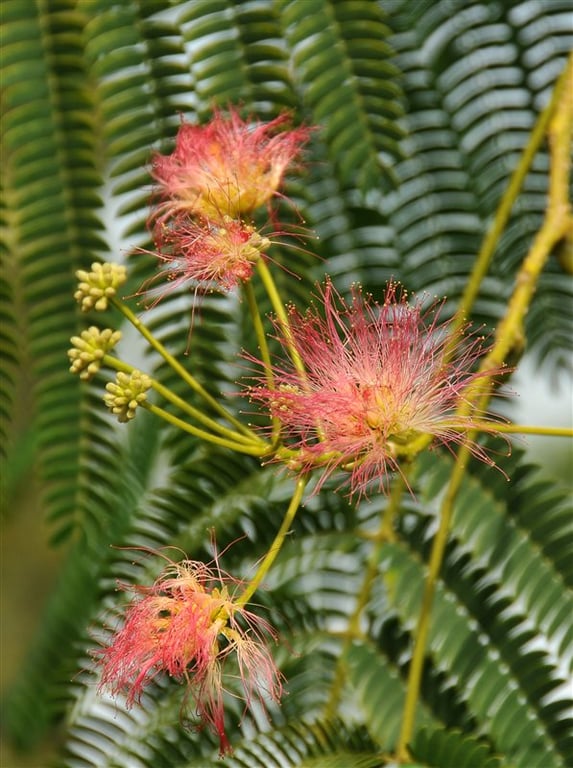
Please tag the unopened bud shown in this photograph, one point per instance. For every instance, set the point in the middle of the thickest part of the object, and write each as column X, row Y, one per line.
column 99, row 285
column 126, row 393
column 89, row 349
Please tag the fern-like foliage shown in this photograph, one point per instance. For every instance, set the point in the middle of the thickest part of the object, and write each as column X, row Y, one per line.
column 500, row 647
column 52, row 194
column 422, row 110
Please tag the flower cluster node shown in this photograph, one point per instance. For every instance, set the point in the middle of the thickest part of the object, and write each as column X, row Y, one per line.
column 99, row 285
column 188, row 626
column 126, row 393
column 89, row 349
column 380, row 382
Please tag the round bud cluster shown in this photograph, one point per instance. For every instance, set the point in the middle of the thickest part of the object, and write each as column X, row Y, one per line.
column 99, row 285
column 126, row 393
column 89, row 349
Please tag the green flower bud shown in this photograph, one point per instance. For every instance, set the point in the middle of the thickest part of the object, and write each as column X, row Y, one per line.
column 99, row 285
column 126, row 393
column 89, row 349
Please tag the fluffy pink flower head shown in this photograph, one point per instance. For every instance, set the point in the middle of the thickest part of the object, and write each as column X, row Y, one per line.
column 207, row 255
column 187, row 624
column 228, row 167
column 378, row 385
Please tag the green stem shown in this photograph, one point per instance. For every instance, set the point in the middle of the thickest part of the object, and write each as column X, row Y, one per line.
column 167, row 394
column 260, row 332
column 277, row 304
column 251, row 450
column 280, row 311
column 423, row 626
column 384, row 534
column 264, row 350
column 190, row 380
column 275, row 547
column 560, row 130
column 520, row 429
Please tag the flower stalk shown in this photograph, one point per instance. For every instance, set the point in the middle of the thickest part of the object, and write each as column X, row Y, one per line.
column 276, row 546
column 279, row 309
column 264, row 353
column 257, row 447
column 523, row 429
column 188, row 378
column 208, row 437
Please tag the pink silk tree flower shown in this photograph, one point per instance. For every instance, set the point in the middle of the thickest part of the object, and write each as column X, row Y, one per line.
column 228, row 167
column 205, row 255
column 378, row 386
column 187, row 625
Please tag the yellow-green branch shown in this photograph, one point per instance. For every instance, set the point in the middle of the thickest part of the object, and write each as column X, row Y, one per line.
column 560, row 131
column 384, row 534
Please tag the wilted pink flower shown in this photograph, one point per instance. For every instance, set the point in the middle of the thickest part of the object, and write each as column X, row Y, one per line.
column 187, row 624
column 378, row 385
column 207, row 255
column 228, row 167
